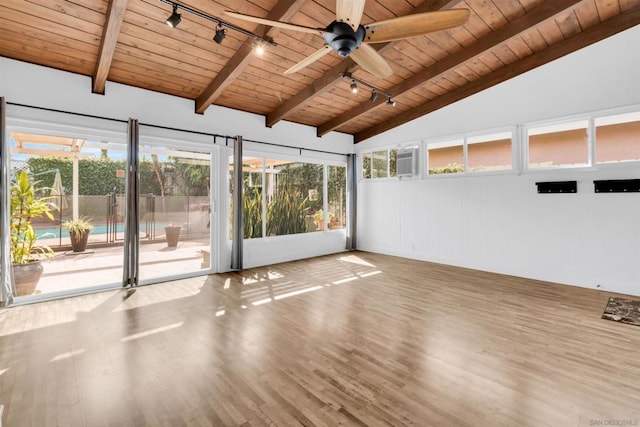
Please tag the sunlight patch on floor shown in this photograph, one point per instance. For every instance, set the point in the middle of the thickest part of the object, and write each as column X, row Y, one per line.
column 151, row 332
column 356, row 260
column 298, row 292
column 67, row 355
column 348, row 279
column 369, row 274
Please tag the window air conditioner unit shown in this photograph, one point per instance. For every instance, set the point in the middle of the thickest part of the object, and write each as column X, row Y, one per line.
column 407, row 162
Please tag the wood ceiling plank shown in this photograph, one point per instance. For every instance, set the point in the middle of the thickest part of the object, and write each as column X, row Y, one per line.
column 489, row 14
column 534, row 40
column 30, row 21
column 505, row 54
column 467, row 73
column 491, row 60
column 587, row 14
column 529, row 5
column 518, row 46
column 19, row 32
column 33, row 53
column 57, row 18
column 208, row 64
column 192, row 54
column 332, row 77
column 171, row 70
column 198, row 44
column 111, row 31
column 132, row 73
column 568, row 24
column 93, row 12
column 507, row 32
column 509, row 9
column 282, row 11
column 462, row 35
column 551, row 32
column 591, row 35
column 607, row 8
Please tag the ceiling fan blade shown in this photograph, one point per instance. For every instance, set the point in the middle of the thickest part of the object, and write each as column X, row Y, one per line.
column 350, row 11
column 309, row 59
column 369, row 59
column 283, row 25
column 414, row 25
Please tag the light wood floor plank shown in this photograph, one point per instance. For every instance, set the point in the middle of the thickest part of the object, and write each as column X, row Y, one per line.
column 347, row 339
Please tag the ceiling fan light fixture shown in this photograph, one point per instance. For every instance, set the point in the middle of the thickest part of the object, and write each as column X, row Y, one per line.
column 354, row 87
column 374, row 96
column 220, row 34
column 175, row 17
column 391, row 102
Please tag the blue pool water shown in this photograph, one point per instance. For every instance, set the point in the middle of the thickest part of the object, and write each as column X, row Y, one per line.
column 55, row 232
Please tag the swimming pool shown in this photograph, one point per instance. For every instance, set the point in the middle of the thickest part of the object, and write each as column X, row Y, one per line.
column 57, row 232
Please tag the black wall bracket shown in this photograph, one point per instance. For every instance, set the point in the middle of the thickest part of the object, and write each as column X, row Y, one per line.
column 557, row 187
column 617, row 186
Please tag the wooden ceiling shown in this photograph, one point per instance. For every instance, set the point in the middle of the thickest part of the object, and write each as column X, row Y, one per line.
column 127, row 41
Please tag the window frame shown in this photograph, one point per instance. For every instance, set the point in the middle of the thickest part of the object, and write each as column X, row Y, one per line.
column 465, row 137
column 264, row 156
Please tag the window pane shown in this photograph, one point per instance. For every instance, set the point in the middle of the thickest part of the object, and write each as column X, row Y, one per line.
column 618, row 138
column 559, row 145
column 380, row 163
column 294, row 195
column 393, row 159
column 252, row 197
column 446, row 157
column 366, row 165
column 489, row 152
column 337, row 193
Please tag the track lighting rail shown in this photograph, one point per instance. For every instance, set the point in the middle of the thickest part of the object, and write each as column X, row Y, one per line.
column 375, row 91
column 221, row 23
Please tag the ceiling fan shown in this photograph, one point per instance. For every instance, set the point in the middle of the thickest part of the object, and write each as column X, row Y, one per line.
column 348, row 37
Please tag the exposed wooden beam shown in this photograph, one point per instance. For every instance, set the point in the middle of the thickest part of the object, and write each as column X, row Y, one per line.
column 110, row 32
column 591, row 35
column 332, row 77
column 282, row 11
column 512, row 29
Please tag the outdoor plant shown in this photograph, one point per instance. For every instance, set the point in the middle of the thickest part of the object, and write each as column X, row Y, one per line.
column 252, row 213
column 285, row 213
column 318, row 217
column 78, row 227
column 25, row 206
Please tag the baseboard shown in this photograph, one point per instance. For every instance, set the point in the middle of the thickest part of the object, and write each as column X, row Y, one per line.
column 577, row 282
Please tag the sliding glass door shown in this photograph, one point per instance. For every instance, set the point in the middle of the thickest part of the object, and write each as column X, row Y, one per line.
column 71, row 174
column 66, row 190
column 175, row 211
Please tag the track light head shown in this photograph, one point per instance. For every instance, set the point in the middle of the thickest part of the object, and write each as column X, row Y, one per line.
column 220, row 34
column 391, row 102
column 175, row 17
column 354, row 87
column 259, row 49
column 374, row 96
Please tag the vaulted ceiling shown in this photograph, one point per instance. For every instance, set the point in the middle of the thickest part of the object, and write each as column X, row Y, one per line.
column 128, row 41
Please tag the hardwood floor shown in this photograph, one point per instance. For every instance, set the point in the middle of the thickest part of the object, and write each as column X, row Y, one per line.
column 348, row 339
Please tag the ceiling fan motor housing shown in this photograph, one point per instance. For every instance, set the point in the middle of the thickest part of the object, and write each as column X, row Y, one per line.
column 341, row 37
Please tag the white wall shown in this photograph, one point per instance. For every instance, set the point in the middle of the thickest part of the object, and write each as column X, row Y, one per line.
column 499, row 223
column 22, row 83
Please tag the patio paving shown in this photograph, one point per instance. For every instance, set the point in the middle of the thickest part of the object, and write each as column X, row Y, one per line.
column 103, row 266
